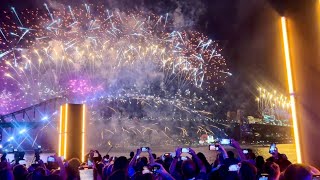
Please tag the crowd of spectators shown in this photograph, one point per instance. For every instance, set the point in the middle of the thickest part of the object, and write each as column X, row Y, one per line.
column 184, row 164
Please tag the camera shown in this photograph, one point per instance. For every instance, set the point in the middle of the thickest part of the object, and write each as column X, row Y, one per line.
column 37, row 153
column 18, row 155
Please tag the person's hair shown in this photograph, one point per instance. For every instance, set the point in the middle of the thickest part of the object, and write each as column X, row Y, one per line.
column 141, row 162
column 297, row 172
column 120, row 163
column 6, row 174
column 20, row 172
column 247, row 171
column 140, row 176
column 119, row 174
column 154, row 156
column 73, row 168
column 273, row 170
column 203, row 158
column 131, row 154
column 251, row 155
column 259, row 162
column 38, row 173
column 189, row 169
column 230, row 154
column 53, row 177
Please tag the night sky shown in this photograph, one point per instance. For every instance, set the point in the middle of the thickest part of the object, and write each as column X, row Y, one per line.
column 248, row 30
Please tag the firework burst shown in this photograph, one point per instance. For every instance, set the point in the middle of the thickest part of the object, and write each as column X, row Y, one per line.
column 91, row 53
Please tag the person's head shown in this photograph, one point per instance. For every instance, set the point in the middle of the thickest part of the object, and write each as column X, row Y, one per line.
column 142, row 161
column 120, row 163
column 247, row 171
column 259, row 161
column 189, row 169
column 147, row 176
column 119, row 174
column 20, row 172
column 38, row 173
column 73, row 168
column 53, row 177
column 273, row 170
column 230, row 154
column 131, row 154
column 154, row 156
column 251, row 155
column 6, row 174
column 203, row 158
column 107, row 156
column 297, row 172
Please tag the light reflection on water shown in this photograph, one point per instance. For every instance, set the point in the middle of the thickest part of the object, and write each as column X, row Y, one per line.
column 288, row 149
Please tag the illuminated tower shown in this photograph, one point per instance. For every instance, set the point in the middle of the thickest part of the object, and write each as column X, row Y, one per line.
column 72, row 131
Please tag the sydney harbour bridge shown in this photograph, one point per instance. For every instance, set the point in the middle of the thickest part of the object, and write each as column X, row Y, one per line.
column 36, row 125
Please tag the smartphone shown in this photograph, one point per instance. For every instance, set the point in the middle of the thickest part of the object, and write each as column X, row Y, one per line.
column 225, row 141
column 39, row 147
column 273, row 147
column 185, row 150
column 155, row 169
column 316, row 177
column 145, row 149
column 23, row 162
column 263, row 177
column 234, row 167
column 245, row 151
column 183, row 158
column 86, row 174
column 50, row 159
column 167, row 154
column 213, row 147
column 90, row 163
column 15, row 150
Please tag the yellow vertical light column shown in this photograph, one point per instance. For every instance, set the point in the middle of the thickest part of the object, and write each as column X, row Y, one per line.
column 83, row 132
column 291, row 87
column 72, row 130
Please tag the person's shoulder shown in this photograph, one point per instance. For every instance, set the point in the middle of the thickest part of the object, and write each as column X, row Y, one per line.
column 201, row 176
column 270, row 159
column 283, row 156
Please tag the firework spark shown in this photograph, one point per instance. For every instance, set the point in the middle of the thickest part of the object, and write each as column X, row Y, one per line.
column 86, row 50
column 124, row 65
